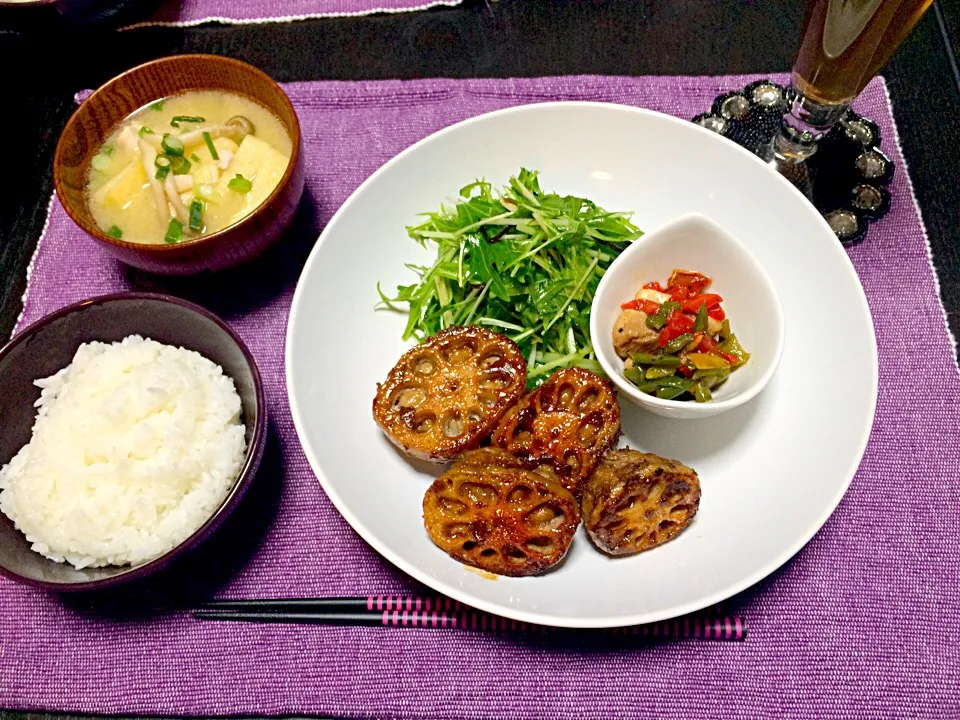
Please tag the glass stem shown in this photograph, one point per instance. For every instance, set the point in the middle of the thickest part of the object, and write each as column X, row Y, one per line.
column 803, row 126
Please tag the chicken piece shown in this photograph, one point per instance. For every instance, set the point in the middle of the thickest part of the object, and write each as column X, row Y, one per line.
column 631, row 334
column 635, row 501
column 447, row 395
column 487, row 512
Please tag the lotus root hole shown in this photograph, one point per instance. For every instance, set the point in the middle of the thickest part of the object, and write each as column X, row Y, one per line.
column 540, row 545
column 495, row 380
column 474, row 416
column 455, row 530
column 453, row 424
column 424, row 423
column 488, row 400
column 424, row 365
column 469, row 545
column 682, row 509
column 459, row 354
column 571, row 460
column 565, row 395
column 408, row 397
column 588, row 398
column 519, row 494
column 514, row 555
column 491, row 360
column 479, row 494
column 588, row 433
column 546, row 517
column 450, row 506
column 666, row 524
column 488, row 552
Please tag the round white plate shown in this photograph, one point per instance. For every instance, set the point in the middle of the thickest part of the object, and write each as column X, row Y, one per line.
column 771, row 471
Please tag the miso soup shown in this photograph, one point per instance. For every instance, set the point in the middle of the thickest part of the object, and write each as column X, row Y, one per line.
column 186, row 166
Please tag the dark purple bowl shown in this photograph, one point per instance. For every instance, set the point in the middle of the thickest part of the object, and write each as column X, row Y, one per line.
column 49, row 345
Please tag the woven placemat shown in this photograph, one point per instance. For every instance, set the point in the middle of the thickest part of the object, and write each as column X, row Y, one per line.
column 184, row 13
column 861, row 623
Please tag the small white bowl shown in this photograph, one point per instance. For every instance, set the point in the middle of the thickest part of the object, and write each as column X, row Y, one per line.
column 695, row 242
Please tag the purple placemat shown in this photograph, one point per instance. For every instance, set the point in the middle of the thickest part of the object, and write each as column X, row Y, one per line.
column 183, row 13
column 861, row 623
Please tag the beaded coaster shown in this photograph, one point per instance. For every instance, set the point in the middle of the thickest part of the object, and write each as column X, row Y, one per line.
column 847, row 175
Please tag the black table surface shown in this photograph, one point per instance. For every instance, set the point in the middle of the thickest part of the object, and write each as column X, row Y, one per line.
column 42, row 68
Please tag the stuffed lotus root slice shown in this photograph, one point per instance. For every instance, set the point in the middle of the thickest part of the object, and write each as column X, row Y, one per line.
column 636, row 501
column 568, row 423
column 488, row 512
column 447, row 395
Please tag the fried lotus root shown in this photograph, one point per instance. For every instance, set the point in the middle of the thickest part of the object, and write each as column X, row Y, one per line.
column 447, row 394
column 568, row 423
column 488, row 512
column 635, row 501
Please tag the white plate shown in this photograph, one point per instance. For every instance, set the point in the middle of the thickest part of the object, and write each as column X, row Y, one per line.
column 772, row 470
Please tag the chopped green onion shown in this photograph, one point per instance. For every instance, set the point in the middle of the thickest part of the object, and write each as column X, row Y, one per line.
column 158, row 105
column 107, row 149
column 196, row 215
column 180, row 165
column 162, row 161
column 172, row 145
column 240, row 184
column 162, row 173
column 209, row 141
column 177, row 119
column 195, row 158
column 145, row 131
column 174, row 231
column 115, row 232
column 100, row 163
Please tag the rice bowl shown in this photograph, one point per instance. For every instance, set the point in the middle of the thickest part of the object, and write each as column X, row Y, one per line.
column 135, row 445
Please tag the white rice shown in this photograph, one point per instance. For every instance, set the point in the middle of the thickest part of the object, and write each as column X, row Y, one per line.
column 135, row 446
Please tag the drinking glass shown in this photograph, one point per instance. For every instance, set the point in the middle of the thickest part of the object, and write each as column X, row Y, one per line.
column 844, row 44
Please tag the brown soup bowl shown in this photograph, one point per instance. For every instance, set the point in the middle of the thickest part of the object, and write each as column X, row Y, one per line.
column 99, row 114
column 49, row 345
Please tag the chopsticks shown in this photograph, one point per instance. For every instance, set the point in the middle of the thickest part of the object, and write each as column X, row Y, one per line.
column 439, row 613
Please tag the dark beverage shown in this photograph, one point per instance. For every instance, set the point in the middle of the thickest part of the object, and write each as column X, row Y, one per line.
column 846, row 42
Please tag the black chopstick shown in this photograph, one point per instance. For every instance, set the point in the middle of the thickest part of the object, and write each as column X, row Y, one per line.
column 436, row 613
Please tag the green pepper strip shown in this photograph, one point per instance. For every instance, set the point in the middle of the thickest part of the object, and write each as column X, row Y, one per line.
column 656, row 322
column 669, row 393
column 702, row 393
column 642, row 358
column 732, row 346
column 678, row 343
column 634, row 375
column 700, row 324
column 658, row 371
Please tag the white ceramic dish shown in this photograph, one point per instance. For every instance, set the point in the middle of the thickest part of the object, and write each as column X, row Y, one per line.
column 749, row 297
column 771, row 471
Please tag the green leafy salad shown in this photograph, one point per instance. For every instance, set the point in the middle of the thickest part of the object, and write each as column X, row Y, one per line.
column 520, row 261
